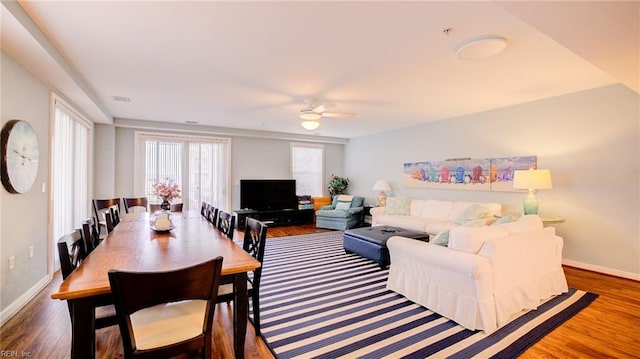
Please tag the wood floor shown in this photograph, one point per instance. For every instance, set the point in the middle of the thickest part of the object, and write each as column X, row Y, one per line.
column 608, row 328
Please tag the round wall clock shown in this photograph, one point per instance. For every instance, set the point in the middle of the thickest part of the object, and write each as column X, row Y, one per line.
column 19, row 147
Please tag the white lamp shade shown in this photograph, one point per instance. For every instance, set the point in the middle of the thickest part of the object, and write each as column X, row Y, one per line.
column 381, row 185
column 532, row 179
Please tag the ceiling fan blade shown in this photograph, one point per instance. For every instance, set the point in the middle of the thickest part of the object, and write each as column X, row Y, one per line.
column 339, row 114
column 319, row 109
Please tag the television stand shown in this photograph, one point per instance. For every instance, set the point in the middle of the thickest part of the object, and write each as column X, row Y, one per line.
column 274, row 217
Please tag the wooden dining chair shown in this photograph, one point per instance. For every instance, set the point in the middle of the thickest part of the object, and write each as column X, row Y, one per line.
column 115, row 215
column 175, row 207
column 90, row 234
column 226, row 223
column 102, row 206
column 131, row 202
column 254, row 241
column 71, row 252
column 165, row 314
column 203, row 209
column 213, row 215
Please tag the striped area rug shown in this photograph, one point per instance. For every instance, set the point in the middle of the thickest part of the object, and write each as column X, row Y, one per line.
column 318, row 302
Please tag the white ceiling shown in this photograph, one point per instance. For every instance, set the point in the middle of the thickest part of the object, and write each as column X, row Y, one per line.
column 250, row 65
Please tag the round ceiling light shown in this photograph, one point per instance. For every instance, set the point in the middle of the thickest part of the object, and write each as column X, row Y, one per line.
column 481, row 47
column 310, row 124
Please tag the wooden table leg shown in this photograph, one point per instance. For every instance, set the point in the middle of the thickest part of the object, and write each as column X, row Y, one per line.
column 83, row 329
column 240, row 313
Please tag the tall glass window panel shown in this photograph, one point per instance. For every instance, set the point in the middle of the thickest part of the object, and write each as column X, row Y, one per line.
column 70, row 171
column 199, row 166
column 307, row 165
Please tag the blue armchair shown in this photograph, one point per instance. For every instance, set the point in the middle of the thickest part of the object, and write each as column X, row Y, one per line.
column 344, row 212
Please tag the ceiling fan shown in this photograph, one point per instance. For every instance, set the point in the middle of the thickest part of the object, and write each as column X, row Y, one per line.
column 312, row 114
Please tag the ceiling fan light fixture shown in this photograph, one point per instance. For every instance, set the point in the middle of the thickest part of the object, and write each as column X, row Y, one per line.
column 308, row 115
column 311, row 125
column 481, row 47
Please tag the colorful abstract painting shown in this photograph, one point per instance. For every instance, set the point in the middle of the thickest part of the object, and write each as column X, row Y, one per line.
column 490, row 174
column 501, row 172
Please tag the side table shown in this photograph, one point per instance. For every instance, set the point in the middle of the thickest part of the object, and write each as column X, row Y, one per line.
column 551, row 220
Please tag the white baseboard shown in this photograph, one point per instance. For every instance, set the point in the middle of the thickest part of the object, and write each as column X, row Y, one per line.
column 604, row 270
column 14, row 307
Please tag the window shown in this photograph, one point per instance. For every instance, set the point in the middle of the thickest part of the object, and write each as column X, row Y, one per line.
column 198, row 165
column 307, row 167
column 70, row 168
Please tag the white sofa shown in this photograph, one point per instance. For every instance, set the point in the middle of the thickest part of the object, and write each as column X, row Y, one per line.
column 430, row 215
column 484, row 276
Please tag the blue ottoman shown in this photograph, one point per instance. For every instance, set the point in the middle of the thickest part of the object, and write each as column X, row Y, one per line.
column 371, row 242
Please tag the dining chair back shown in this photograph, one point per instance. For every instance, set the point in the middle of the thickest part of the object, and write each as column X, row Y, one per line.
column 90, row 234
column 213, row 215
column 115, row 215
column 165, row 314
column 203, row 208
column 254, row 241
column 226, row 223
column 102, row 206
column 71, row 252
column 131, row 202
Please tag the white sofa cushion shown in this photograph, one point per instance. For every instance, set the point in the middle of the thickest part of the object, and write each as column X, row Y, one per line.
column 416, row 207
column 436, row 209
column 471, row 239
column 407, row 222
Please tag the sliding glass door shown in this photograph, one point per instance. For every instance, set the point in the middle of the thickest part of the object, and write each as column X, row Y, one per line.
column 199, row 165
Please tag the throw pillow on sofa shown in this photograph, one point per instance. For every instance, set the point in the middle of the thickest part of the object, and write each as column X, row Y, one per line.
column 507, row 218
column 472, row 213
column 398, row 206
column 343, row 205
column 441, row 239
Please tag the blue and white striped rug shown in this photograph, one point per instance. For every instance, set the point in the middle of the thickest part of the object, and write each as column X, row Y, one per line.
column 318, row 302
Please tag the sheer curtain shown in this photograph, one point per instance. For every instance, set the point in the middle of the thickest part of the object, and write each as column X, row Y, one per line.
column 198, row 164
column 70, row 171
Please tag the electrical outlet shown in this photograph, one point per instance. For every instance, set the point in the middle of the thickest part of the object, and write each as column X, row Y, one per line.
column 30, row 255
column 12, row 262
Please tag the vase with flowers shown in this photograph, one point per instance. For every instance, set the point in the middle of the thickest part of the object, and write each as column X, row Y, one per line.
column 167, row 191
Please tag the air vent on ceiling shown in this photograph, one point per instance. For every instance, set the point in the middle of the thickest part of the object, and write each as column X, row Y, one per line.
column 121, row 98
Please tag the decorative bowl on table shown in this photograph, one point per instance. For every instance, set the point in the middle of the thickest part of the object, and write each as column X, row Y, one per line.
column 161, row 221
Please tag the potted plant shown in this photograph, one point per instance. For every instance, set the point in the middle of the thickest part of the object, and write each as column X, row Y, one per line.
column 338, row 185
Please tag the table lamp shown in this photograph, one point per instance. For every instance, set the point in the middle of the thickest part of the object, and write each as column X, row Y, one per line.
column 382, row 185
column 532, row 180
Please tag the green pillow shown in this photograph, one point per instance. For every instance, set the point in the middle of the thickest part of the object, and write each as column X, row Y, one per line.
column 398, row 206
column 507, row 218
column 441, row 239
column 472, row 212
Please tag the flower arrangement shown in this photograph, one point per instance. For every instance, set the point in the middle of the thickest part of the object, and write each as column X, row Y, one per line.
column 167, row 191
column 338, row 185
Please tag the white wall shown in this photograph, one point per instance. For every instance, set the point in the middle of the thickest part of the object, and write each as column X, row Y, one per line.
column 589, row 140
column 23, row 217
column 251, row 157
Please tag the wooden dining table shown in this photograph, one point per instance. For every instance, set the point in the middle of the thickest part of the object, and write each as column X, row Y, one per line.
column 135, row 246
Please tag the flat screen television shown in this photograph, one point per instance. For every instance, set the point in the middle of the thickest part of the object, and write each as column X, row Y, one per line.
column 268, row 194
